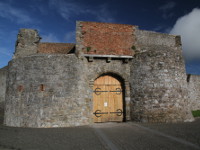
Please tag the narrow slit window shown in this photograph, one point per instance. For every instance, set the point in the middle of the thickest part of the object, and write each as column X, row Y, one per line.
column 188, row 77
column 42, row 88
column 20, row 88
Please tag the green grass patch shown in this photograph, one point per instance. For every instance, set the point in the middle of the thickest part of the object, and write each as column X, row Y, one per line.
column 196, row 113
column 88, row 49
column 133, row 47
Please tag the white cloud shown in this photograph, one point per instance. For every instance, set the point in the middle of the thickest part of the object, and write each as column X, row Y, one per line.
column 104, row 15
column 4, row 51
column 5, row 56
column 167, row 30
column 39, row 9
column 188, row 27
column 65, row 9
column 70, row 9
column 50, row 38
column 163, row 28
column 166, row 9
column 14, row 14
column 70, row 37
column 167, row 6
column 158, row 28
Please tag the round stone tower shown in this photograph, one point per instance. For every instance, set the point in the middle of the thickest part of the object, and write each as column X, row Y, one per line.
column 158, row 79
column 45, row 89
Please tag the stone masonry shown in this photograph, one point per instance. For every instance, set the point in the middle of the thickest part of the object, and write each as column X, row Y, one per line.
column 193, row 82
column 46, row 91
column 158, row 79
column 51, row 84
column 3, row 75
column 27, row 43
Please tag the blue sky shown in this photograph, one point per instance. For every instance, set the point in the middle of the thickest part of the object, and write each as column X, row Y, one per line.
column 55, row 21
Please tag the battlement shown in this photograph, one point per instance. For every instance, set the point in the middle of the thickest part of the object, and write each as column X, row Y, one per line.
column 27, row 42
column 98, row 39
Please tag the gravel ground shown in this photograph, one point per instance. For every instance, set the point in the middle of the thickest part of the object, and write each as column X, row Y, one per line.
column 114, row 136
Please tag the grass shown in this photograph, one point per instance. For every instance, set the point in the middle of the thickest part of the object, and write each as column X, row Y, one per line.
column 133, row 47
column 88, row 49
column 196, row 113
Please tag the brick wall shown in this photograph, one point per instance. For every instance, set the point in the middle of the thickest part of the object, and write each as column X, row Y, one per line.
column 105, row 38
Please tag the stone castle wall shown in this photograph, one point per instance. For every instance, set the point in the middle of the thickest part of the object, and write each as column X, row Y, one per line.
column 158, row 80
column 56, row 90
column 115, row 68
column 47, row 91
column 193, row 82
column 27, row 43
column 3, row 75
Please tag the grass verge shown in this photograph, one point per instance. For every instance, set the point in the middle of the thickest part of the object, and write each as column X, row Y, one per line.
column 196, row 113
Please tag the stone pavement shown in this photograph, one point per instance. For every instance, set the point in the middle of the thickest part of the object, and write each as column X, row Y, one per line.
column 104, row 136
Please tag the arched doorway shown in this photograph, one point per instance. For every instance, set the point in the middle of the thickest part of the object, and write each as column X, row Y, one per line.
column 107, row 99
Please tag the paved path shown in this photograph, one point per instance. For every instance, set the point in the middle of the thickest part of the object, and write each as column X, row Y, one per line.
column 104, row 136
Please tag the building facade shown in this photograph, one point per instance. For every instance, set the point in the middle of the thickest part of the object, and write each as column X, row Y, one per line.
column 114, row 72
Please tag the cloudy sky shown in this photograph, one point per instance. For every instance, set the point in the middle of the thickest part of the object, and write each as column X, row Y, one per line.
column 55, row 21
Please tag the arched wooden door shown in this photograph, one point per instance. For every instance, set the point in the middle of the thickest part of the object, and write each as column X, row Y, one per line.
column 107, row 99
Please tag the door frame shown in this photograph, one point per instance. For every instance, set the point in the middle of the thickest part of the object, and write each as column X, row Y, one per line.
column 125, row 97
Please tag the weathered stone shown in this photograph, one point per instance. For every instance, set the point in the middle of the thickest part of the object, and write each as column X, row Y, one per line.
column 52, row 88
column 3, row 76
column 27, row 43
column 193, row 82
column 169, row 82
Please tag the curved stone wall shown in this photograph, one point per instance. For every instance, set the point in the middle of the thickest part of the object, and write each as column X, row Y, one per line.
column 193, row 82
column 3, row 75
column 158, row 80
column 47, row 91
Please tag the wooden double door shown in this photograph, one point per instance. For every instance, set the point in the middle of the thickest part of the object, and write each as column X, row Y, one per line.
column 107, row 99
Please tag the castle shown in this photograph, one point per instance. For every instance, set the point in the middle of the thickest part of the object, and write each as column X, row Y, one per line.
column 114, row 72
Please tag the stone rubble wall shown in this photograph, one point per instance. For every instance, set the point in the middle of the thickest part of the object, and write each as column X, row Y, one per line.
column 194, row 91
column 3, row 76
column 27, row 43
column 158, row 79
column 47, row 91
column 148, row 38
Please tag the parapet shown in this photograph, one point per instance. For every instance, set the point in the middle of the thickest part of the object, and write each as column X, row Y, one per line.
column 27, row 42
column 148, row 38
